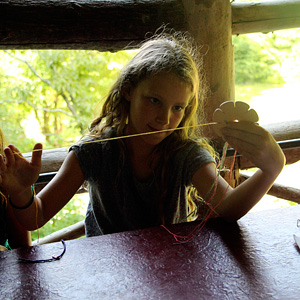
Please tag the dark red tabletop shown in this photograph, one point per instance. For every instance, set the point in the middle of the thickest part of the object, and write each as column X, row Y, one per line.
column 255, row 258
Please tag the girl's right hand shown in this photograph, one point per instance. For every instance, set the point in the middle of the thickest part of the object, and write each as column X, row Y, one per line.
column 256, row 144
column 16, row 173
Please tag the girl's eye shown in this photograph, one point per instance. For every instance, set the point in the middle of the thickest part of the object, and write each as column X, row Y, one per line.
column 178, row 108
column 154, row 100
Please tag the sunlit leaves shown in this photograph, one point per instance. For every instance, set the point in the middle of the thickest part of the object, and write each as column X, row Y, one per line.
column 62, row 88
column 267, row 58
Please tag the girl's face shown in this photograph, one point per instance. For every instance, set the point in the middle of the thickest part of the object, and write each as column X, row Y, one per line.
column 157, row 103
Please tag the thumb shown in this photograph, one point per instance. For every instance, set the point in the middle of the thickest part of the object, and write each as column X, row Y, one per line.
column 37, row 155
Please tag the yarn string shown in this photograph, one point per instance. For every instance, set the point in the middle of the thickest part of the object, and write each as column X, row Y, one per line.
column 178, row 238
column 128, row 136
column 219, row 167
column 135, row 135
column 36, row 216
column 181, row 239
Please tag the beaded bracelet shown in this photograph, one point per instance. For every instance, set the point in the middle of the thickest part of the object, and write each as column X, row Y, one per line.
column 27, row 205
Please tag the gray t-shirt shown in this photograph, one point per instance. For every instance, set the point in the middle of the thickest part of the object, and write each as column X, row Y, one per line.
column 119, row 201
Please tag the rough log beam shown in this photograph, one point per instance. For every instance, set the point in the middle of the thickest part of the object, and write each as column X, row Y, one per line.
column 52, row 159
column 69, row 233
column 116, row 24
column 292, row 156
column 265, row 16
column 280, row 191
column 52, row 162
column 283, row 131
column 84, row 24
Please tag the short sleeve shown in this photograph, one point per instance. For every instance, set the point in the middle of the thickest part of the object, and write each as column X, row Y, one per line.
column 197, row 157
column 88, row 155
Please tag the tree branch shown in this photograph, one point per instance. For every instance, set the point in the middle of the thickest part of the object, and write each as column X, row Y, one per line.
column 69, row 105
column 54, row 110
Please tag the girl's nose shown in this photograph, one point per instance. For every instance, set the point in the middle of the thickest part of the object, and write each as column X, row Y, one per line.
column 163, row 118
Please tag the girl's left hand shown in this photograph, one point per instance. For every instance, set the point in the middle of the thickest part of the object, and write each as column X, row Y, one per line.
column 256, row 144
column 16, row 173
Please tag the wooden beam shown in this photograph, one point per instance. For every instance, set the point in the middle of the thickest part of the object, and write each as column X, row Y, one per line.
column 52, row 159
column 282, row 131
column 280, row 191
column 292, row 156
column 117, row 24
column 84, row 24
column 265, row 16
column 68, row 233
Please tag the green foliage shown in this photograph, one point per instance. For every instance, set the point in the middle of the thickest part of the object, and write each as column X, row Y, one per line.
column 72, row 213
column 285, row 45
column 59, row 88
column 267, row 58
column 254, row 63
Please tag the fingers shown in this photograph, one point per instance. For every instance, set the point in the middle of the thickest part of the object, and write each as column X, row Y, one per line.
column 15, row 151
column 37, row 154
column 243, row 128
column 10, row 157
column 2, row 168
column 245, row 132
column 247, row 138
column 2, row 164
column 13, row 156
column 255, row 143
column 16, row 172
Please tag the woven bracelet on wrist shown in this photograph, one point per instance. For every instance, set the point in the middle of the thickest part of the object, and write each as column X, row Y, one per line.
column 27, row 205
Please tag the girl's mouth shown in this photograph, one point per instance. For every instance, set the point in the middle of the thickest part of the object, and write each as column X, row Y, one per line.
column 161, row 130
column 153, row 129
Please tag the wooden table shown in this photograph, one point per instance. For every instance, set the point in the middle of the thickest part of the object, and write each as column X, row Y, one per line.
column 255, row 258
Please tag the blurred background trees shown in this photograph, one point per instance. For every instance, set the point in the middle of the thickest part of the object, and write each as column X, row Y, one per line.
column 51, row 96
column 55, row 91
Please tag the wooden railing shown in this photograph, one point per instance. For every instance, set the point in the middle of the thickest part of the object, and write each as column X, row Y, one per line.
column 82, row 24
column 289, row 132
column 68, row 233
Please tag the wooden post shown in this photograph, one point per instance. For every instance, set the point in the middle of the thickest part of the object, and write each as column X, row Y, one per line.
column 210, row 24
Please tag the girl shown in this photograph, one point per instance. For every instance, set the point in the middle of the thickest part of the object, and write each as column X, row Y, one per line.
column 144, row 180
column 12, row 234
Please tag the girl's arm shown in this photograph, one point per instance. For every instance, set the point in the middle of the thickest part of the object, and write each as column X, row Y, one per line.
column 17, row 235
column 17, row 175
column 258, row 146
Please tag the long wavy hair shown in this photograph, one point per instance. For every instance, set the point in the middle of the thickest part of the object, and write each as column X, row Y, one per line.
column 3, row 144
column 165, row 52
